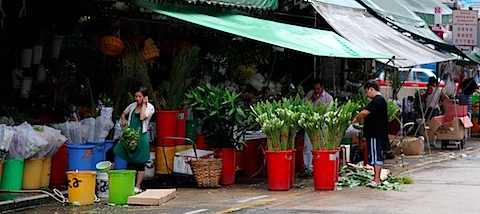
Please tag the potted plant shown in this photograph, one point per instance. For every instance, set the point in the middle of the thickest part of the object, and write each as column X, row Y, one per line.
column 171, row 116
column 223, row 121
column 326, row 125
column 278, row 120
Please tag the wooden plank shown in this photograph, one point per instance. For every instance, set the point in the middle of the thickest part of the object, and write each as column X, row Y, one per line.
column 153, row 197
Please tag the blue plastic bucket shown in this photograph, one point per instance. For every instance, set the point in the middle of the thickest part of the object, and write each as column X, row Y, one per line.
column 98, row 152
column 80, row 157
column 120, row 163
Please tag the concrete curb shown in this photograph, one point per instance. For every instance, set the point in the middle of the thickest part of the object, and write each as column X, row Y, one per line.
column 23, row 203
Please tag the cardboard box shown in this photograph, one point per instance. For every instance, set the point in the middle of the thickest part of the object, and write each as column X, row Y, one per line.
column 454, row 130
column 180, row 160
column 455, row 111
column 410, row 145
column 433, row 125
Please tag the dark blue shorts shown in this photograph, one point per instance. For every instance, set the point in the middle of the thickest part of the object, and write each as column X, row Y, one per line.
column 374, row 148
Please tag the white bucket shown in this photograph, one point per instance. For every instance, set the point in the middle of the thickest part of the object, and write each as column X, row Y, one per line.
column 26, row 87
column 41, row 73
column 102, row 185
column 150, row 166
column 56, row 45
column 37, row 54
column 26, row 61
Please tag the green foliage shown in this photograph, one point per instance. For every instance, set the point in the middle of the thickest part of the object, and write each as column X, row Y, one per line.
column 129, row 138
column 393, row 75
column 279, row 121
column 223, row 118
column 354, row 177
column 326, row 124
column 184, row 61
column 392, row 110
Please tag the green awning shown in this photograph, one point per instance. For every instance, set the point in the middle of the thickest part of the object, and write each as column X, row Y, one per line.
column 306, row 40
column 245, row 4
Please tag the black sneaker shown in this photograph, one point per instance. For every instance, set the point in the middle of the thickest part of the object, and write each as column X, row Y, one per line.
column 305, row 174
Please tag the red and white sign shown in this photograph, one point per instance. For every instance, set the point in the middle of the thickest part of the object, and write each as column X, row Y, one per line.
column 465, row 27
column 438, row 16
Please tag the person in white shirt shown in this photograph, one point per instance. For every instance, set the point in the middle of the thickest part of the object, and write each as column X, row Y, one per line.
column 316, row 95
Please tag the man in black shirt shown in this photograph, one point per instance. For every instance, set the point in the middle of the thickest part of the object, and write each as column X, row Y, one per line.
column 375, row 128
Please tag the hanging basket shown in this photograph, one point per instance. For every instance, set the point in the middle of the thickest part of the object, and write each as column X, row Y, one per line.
column 150, row 54
column 150, row 51
column 206, row 172
column 112, row 45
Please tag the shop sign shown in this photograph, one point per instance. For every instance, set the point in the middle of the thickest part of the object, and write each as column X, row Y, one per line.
column 465, row 27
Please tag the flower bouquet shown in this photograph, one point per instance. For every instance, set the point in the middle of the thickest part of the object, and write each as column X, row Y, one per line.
column 326, row 124
column 129, row 138
column 278, row 120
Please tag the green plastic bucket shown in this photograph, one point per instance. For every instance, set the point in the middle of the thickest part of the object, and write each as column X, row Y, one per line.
column 121, row 184
column 191, row 131
column 12, row 175
column 347, row 141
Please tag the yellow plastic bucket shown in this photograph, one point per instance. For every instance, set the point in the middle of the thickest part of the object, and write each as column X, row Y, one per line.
column 31, row 170
column 187, row 147
column 46, row 168
column 179, row 148
column 81, row 187
column 161, row 164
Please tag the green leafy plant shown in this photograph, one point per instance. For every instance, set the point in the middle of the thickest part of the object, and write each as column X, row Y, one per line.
column 129, row 138
column 326, row 124
column 355, row 176
column 392, row 110
column 184, row 61
column 279, row 121
column 104, row 100
column 396, row 82
column 223, row 118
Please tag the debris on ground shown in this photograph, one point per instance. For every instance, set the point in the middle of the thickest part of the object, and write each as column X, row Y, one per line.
column 353, row 175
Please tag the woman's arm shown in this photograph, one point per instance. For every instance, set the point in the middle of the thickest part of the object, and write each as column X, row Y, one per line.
column 143, row 111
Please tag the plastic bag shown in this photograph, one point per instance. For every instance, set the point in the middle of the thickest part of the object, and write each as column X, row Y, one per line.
column 118, row 129
column 26, row 142
column 449, row 88
column 6, row 137
column 106, row 112
column 88, row 129
column 75, row 130
column 103, row 125
column 54, row 139
column 351, row 132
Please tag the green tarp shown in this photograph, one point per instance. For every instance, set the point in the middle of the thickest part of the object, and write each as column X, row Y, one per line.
column 306, row 40
column 246, row 4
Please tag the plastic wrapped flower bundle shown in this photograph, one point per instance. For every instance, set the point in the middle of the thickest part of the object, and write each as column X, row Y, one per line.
column 129, row 138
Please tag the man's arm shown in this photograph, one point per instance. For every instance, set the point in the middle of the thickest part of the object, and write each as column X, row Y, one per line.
column 361, row 115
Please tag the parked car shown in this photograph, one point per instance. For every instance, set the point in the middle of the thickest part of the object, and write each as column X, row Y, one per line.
column 417, row 77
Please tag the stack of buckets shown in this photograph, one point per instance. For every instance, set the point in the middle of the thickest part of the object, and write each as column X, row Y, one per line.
column 29, row 174
column 172, row 124
column 83, row 179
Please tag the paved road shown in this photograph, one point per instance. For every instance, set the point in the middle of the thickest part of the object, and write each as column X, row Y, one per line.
column 448, row 187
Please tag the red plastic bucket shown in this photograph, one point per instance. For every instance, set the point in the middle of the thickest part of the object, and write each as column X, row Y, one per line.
column 278, row 169
column 201, row 142
column 59, row 166
column 171, row 124
column 324, row 169
column 253, row 157
column 292, row 168
column 228, row 165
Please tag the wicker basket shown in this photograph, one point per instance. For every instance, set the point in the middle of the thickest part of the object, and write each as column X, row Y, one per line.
column 112, row 45
column 150, row 54
column 206, row 171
